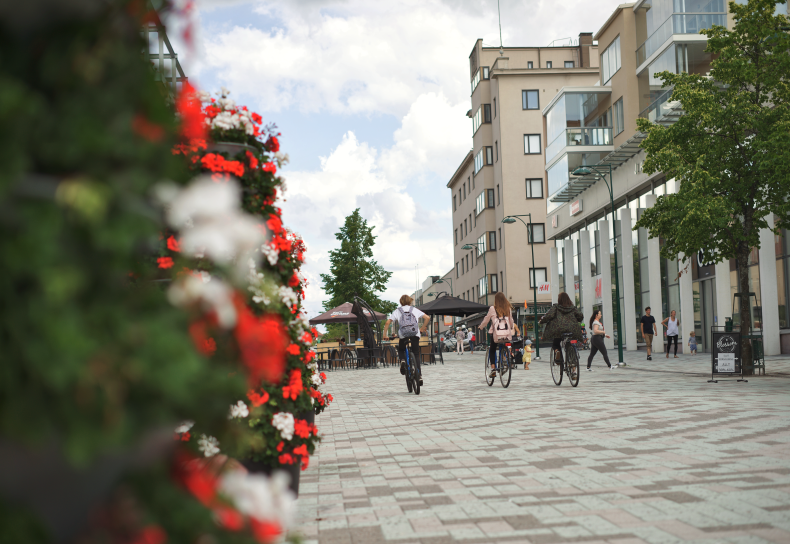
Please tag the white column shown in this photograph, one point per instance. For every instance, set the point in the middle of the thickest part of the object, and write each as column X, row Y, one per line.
column 606, row 284
column 769, row 292
column 567, row 265
column 723, row 293
column 555, row 274
column 654, row 277
column 585, row 277
column 686, row 316
column 629, row 311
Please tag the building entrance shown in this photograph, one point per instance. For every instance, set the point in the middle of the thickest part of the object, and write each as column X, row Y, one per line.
column 704, row 312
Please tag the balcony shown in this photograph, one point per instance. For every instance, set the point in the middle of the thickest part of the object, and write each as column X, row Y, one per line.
column 663, row 110
column 678, row 24
column 579, row 136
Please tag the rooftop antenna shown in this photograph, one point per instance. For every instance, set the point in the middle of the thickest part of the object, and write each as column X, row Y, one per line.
column 499, row 13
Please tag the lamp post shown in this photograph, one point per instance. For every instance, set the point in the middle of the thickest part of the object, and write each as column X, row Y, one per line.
column 584, row 171
column 485, row 270
column 442, row 280
column 512, row 219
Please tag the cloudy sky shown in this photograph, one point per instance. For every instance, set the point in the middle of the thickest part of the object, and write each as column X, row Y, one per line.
column 370, row 97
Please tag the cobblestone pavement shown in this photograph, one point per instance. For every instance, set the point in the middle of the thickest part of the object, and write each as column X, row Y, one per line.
column 646, row 453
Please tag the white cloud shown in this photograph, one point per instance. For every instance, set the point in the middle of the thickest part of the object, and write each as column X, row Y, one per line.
column 317, row 203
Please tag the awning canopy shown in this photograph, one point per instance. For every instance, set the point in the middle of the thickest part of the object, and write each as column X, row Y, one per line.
column 343, row 314
column 452, row 306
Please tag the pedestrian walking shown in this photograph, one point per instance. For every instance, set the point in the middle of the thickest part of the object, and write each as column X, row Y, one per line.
column 472, row 343
column 693, row 343
column 596, row 341
column 673, row 331
column 648, row 326
column 459, row 341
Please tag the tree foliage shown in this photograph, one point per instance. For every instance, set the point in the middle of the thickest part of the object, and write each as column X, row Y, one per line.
column 729, row 149
column 353, row 270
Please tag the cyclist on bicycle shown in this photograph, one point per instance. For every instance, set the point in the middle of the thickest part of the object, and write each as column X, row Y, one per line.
column 409, row 330
column 563, row 317
column 502, row 326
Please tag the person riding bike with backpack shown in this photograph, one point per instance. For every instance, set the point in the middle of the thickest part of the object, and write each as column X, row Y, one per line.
column 409, row 330
column 502, row 326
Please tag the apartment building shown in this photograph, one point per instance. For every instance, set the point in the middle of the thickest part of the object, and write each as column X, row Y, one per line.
column 504, row 172
column 595, row 125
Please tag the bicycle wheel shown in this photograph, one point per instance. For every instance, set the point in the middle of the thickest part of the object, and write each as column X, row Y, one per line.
column 505, row 367
column 415, row 380
column 573, row 365
column 556, row 369
column 487, row 369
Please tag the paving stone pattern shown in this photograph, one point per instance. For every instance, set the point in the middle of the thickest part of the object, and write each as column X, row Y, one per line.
column 647, row 453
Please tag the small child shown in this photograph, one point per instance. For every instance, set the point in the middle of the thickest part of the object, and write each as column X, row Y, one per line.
column 692, row 343
column 527, row 353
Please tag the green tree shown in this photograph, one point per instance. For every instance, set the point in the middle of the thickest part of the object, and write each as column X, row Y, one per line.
column 729, row 150
column 353, row 270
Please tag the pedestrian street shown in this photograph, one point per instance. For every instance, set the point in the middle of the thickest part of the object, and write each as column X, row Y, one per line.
column 647, row 453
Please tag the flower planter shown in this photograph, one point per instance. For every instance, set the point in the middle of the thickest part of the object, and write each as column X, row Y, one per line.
column 231, row 148
column 260, row 467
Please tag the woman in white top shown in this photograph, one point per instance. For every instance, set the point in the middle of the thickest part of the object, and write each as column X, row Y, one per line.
column 598, row 334
column 672, row 325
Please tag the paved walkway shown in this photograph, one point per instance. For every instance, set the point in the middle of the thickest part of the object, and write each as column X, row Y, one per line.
column 647, row 453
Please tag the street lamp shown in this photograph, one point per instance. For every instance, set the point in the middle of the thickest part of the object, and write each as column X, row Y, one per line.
column 584, row 171
column 437, row 294
column 512, row 219
column 485, row 270
column 451, row 284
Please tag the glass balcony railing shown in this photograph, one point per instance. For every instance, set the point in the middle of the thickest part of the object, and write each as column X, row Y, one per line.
column 678, row 24
column 579, row 136
column 658, row 108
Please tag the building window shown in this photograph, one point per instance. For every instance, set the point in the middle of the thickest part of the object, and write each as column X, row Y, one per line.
column 454, row 204
column 499, row 230
column 502, row 278
column 492, row 240
column 610, row 60
column 568, row 64
column 480, row 203
column 456, row 236
column 496, row 150
column 489, row 155
column 482, row 244
column 466, row 230
column 493, row 283
column 479, row 161
column 482, row 288
column 617, row 114
column 539, row 231
column 473, row 182
column 464, row 189
column 456, row 271
column 534, row 188
column 477, row 120
column 532, row 144
column 537, row 276
column 467, row 263
column 498, row 200
column 548, row 64
column 494, row 107
column 490, row 197
column 486, row 113
column 529, row 100
column 529, row 65
column 475, row 80
column 485, row 72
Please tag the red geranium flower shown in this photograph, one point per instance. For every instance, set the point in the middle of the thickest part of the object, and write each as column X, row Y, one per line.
column 253, row 160
column 193, row 124
column 153, row 534
column 256, row 399
column 273, row 144
column 294, row 387
column 294, row 281
column 265, row 531
column 263, row 342
column 269, row 167
column 165, row 262
column 173, row 245
column 301, row 428
column 294, row 349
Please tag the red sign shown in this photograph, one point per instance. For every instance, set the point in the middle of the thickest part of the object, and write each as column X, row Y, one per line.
column 544, row 288
column 598, row 287
column 576, row 206
column 554, row 220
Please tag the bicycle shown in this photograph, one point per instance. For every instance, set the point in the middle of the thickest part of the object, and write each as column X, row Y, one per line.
column 503, row 364
column 412, row 374
column 570, row 365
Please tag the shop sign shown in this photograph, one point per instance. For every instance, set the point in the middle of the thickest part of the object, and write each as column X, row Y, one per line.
column 576, row 206
column 725, row 353
column 555, row 220
column 448, row 321
column 544, row 288
column 542, row 309
column 703, row 259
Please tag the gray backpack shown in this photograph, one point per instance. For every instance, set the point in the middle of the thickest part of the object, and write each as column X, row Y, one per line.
column 408, row 324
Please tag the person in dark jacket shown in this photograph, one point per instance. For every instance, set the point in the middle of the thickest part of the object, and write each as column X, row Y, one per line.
column 563, row 317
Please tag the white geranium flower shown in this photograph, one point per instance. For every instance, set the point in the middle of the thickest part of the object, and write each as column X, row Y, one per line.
column 204, row 96
column 205, row 276
column 213, row 296
column 208, row 445
column 284, row 422
column 184, row 427
column 238, row 410
column 316, row 378
column 261, row 497
column 288, row 295
column 270, row 253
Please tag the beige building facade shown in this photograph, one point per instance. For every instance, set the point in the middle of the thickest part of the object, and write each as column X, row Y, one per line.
column 504, row 172
column 595, row 126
